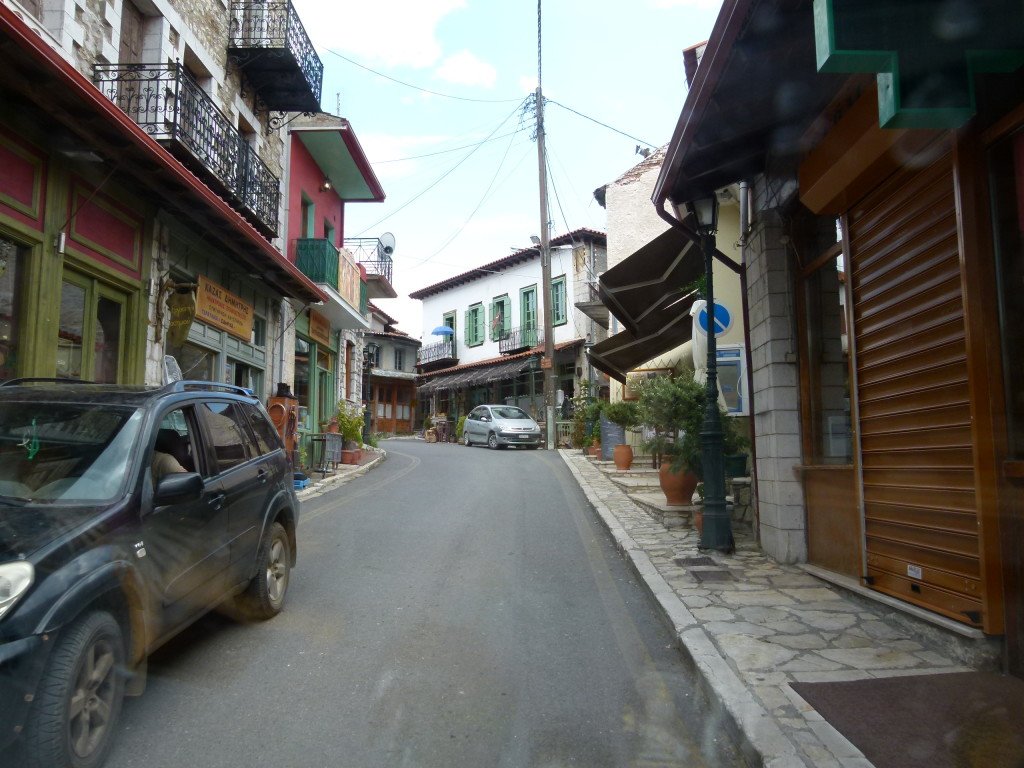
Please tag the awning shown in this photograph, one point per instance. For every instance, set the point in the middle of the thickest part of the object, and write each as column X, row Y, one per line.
column 623, row 352
column 640, row 289
column 479, row 375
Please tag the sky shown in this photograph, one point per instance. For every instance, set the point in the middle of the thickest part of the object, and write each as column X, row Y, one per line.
column 461, row 174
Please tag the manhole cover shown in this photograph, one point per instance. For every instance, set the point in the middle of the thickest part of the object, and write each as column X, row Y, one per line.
column 686, row 562
column 711, row 575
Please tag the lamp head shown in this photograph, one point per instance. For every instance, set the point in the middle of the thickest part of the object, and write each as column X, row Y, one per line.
column 705, row 212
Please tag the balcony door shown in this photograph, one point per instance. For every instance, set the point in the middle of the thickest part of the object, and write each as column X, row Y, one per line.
column 528, row 308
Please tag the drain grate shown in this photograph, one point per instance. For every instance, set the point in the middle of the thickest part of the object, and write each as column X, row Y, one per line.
column 686, row 562
column 703, row 576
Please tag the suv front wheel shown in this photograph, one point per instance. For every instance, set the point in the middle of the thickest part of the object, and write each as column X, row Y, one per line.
column 264, row 597
column 72, row 720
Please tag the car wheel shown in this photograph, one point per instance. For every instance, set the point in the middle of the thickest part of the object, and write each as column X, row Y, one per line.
column 264, row 597
column 72, row 720
column 465, row 439
column 492, row 441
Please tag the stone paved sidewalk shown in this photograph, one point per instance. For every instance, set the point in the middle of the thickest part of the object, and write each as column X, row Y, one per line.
column 341, row 474
column 752, row 626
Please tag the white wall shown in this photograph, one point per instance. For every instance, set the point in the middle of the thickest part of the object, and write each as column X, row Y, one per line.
column 508, row 281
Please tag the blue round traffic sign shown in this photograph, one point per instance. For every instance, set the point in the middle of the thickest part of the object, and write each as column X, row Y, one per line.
column 723, row 319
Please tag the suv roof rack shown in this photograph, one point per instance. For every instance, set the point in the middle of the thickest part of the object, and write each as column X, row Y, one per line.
column 40, row 380
column 208, row 386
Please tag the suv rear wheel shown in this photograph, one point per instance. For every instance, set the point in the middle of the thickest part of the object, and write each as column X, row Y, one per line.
column 72, row 720
column 264, row 597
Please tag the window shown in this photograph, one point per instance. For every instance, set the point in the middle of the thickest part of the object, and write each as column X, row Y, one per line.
column 528, row 313
column 259, row 332
column 173, row 449
column 11, row 259
column 91, row 330
column 501, row 318
column 196, row 363
column 559, row 316
column 267, row 438
column 399, row 359
column 308, row 217
column 228, row 437
column 475, row 325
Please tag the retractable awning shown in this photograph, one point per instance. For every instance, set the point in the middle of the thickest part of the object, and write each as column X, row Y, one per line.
column 645, row 285
column 625, row 351
column 478, row 375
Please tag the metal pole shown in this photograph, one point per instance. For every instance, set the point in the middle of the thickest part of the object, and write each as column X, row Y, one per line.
column 548, row 362
column 717, row 533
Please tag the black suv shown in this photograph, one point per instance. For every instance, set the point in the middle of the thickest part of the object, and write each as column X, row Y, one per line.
column 126, row 513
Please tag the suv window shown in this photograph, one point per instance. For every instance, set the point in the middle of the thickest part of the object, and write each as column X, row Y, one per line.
column 229, row 439
column 173, row 451
column 267, row 439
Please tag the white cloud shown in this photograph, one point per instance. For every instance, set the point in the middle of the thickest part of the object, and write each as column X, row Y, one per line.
column 388, row 32
column 465, row 68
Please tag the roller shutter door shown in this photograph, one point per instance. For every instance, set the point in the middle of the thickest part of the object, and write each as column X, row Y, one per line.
column 919, row 485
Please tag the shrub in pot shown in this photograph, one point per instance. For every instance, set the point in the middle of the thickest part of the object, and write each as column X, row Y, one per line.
column 626, row 414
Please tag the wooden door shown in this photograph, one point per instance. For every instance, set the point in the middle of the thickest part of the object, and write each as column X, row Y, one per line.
column 132, row 21
column 919, row 487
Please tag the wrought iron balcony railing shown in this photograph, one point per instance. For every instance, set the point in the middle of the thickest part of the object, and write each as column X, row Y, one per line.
column 317, row 259
column 518, row 339
column 269, row 42
column 432, row 353
column 168, row 103
column 369, row 251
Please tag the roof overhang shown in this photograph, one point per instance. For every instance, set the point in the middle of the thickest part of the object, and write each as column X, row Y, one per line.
column 753, row 103
column 343, row 316
column 624, row 352
column 337, row 152
column 35, row 74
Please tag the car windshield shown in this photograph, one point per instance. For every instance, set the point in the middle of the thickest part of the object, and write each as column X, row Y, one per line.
column 510, row 412
column 65, row 452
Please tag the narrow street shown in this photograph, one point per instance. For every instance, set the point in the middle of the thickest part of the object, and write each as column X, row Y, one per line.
column 453, row 607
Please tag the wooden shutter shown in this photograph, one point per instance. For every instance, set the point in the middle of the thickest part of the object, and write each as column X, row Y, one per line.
column 130, row 51
column 919, row 485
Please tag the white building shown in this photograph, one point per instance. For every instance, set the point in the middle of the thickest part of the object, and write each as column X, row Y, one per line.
column 495, row 313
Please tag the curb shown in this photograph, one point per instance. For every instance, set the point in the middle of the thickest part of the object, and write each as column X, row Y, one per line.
column 329, row 483
column 760, row 734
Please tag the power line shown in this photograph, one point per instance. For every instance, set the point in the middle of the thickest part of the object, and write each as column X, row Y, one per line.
column 444, row 175
column 445, row 151
column 418, row 88
column 603, row 125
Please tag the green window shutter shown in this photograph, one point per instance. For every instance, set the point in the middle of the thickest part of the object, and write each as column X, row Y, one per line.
column 558, row 314
column 506, row 315
column 465, row 328
column 481, row 334
column 495, row 330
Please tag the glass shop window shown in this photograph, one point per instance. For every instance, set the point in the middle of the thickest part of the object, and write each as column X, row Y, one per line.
column 12, row 257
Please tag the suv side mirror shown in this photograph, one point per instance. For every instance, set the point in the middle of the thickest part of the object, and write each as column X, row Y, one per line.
column 177, row 488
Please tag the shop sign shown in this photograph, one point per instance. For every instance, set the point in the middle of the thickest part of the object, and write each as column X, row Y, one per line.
column 319, row 328
column 925, row 54
column 181, row 306
column 349, row 278
column 217, row 306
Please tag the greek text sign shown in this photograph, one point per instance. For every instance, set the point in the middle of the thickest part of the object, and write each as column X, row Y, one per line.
column 220, row 308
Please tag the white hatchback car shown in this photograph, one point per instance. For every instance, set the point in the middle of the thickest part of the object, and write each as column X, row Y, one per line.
column 499, row 426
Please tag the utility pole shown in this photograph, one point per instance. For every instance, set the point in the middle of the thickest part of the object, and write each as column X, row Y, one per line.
column 548, row 361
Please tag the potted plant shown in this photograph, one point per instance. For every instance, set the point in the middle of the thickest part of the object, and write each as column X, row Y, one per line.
column 592, row 424
column 350, row 424
column 460, row 427
column 626, row 414
column 673, row 407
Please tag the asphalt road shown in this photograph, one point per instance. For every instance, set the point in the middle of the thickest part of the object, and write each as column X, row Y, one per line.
column 453, row 607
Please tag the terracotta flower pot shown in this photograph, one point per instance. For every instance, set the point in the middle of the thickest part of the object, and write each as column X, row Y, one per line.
column 595, row 451
column 678, row 487
column 623, row 456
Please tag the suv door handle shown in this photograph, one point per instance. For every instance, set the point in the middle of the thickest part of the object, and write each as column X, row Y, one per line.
column 262, row 475
column 216, row 500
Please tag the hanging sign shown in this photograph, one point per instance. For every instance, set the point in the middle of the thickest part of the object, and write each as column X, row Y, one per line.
column 217, row 306
column 181, row 305
column 319, row 328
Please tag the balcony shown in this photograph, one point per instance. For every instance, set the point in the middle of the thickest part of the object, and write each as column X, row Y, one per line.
column 588, row 301
column 370, row 253
column 435, row 356
column 519, row 340
column 269, row 43
column 337, row 274
column 169, row 105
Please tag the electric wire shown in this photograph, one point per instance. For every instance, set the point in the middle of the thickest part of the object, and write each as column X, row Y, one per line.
column 443, row 176
column 603, row 125
column 445, row 151
column 416, row 87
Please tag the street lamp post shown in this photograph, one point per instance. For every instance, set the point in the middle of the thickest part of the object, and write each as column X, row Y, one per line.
column 369, row 356
column 717, row 533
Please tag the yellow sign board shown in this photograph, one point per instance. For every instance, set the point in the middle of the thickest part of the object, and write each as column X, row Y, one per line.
column 319, row 328
column 220, row 308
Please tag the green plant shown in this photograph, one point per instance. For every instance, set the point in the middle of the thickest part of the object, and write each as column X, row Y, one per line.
column 460, row 425
column 303, row 455
column 625, row 413
column 350, row 421
column 674, row 408
column 372, row 440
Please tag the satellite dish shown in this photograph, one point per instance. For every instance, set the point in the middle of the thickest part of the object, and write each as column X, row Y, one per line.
column 387, row 243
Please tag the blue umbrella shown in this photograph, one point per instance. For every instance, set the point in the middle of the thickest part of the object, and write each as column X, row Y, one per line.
column 442, row 330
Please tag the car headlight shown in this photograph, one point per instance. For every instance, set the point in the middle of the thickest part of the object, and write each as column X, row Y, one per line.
column 15, row 579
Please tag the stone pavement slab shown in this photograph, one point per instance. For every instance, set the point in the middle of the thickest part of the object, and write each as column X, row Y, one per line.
column 763, row 627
